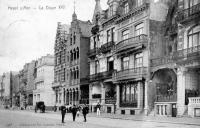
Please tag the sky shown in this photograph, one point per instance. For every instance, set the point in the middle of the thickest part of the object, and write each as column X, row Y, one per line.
column 28, row 27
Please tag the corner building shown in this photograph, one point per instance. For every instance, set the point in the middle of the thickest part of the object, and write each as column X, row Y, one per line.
column 120, row 54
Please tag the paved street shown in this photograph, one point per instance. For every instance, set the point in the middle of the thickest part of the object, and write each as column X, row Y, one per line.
column 20, row 119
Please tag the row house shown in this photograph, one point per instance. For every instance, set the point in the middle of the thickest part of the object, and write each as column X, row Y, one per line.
column 76, row 89
column 102, row 88
column 60, row 63
column 120, row 53
column 178, row 60
column 43, row 81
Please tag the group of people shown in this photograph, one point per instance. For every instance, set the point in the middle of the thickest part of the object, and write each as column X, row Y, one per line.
column 75, row 112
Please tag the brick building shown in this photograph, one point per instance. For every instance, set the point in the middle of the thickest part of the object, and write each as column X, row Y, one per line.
column 77, row 69
column 60, row 63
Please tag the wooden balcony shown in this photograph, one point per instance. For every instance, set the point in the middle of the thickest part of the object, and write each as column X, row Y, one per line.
column 187, row 55
column 101, row 76
column 132, row 73
column 189, row 14
column 131, row 43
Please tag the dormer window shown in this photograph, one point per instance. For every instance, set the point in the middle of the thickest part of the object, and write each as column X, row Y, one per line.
column 126, row 8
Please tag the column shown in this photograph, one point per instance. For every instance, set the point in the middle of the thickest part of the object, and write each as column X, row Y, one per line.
column 146, row 109
column 140, row 95
column 102, row 94
column 181, row 79
column 118, row 96
column 90, row 97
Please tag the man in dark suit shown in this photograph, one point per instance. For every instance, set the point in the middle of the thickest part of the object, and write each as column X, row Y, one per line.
column 85, row 111
column 63, row 112
column 74, row 110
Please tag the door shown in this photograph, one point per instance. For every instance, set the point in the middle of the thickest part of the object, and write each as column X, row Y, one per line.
column 174, row 110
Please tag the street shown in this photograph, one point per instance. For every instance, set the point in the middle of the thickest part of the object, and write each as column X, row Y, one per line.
column 20, row 119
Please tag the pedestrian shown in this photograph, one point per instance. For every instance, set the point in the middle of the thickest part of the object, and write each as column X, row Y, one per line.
column 85, row 111
column 63, row 112
column 78, row 111
column 74, row 110
column 98, row 109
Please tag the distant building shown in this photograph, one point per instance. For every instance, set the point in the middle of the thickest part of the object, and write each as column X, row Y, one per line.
column 44, row 78
column 7, row 87
column 60, row 63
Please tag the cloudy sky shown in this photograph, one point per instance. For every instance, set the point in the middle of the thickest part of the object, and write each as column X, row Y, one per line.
column 28, row 28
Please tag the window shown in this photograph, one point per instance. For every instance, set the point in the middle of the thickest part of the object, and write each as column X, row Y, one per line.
column 139, row 3
column 129, row 94
column 125, row 63
column 74, row 37
column 194, row 37
column 126, row 8
column 71, row 39
column 139, row 29
column 112, row 34
column 125, row 34
column 111, row 10
column 64, row 74
column 138, row 60
column 108, row 36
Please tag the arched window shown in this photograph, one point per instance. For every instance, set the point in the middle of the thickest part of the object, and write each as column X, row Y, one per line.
column 194, row 37
column 74, row 73
column 71, row 55
column 77, row 49
column 77, row 72
column 74, row 51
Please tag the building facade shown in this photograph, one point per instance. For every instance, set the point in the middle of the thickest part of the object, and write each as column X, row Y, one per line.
column 43, row 81
column 187, row 57
column 77, row 71
column 60, row 63
column 120, row 54
column 102, row 88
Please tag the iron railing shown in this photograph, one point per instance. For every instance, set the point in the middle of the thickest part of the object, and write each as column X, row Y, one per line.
column 130, row 73
column 101, row 75
column 189, row 13
column 131, row 42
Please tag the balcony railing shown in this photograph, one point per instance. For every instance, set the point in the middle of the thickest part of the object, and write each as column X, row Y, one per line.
column 161, row 61
column 130, row 73
column 128, row 104
column 194, row 100
column 101, row 75
column 166, row 98
column 110, row 100
column 106, row 47
column 187, row 53
column 131, row 42
column 189, row 13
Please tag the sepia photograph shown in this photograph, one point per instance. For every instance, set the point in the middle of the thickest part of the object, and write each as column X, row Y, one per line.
column 99, row 63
